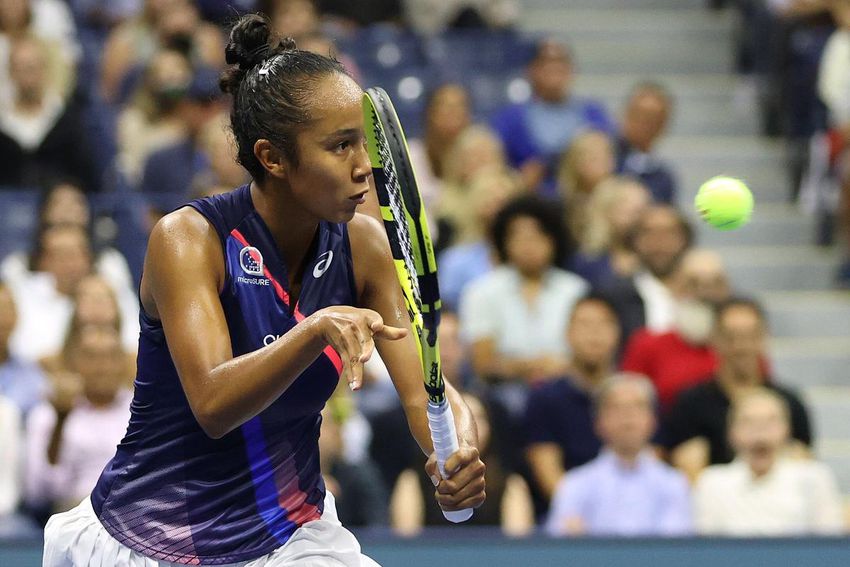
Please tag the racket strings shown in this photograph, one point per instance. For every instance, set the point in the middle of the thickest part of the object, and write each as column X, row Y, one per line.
column 396, row 206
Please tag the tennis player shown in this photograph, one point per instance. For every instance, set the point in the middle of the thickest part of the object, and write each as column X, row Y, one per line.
column 255, row 304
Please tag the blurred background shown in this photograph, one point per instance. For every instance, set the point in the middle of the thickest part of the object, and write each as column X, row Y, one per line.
column 650, row 379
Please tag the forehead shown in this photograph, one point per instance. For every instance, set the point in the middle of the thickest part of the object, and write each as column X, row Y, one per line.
column 628, row 391
column 336, row 100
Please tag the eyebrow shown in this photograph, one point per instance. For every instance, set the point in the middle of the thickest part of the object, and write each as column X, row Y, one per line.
column 344, row 133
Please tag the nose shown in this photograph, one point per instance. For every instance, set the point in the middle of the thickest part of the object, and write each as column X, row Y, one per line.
column 362, row 169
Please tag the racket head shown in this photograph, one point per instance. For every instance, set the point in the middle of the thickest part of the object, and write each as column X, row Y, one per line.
column 407, row 228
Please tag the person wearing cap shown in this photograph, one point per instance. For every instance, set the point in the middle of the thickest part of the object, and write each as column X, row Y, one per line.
column 536, row 132
column 171, row 169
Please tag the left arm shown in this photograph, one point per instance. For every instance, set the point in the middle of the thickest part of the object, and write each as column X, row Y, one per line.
column 378, row 289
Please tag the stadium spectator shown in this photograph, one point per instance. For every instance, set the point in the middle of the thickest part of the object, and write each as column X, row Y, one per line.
column 559, row 417
column 515, row 317
column 644, row 121
column 161, row 25
column 682, row 357
column 21, row 382
column 661, row 236
column 430, row 17
column 41, row 133
column 605, row 251
column 764, row 492
column 352, row 14
column 49, row 21
column 696, row 429
column 217, row 144
column 151, row 121
column 508, row 503
column 70, row 438
column 65, row 205
column 173, row 168
column 361, row 498
column 834, row 89
column 95, row 304
column 538, row 132
column 475, row 149
column 291, row 18
column 447, row 115
column 626, row 490
column 62, row 259
column 473, row 255
column 587, row 163
column 10, row 454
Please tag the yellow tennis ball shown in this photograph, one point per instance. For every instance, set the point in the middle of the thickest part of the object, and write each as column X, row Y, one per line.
column 725, row 203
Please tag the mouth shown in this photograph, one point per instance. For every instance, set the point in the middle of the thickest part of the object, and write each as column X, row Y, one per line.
column 359, row 198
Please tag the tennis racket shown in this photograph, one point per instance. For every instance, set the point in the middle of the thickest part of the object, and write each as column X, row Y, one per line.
column 413, row 256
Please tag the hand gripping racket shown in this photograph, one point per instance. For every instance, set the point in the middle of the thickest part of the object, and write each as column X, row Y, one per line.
column 413, row 256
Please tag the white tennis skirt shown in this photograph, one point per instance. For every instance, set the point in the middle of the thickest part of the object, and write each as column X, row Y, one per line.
column 76, row 538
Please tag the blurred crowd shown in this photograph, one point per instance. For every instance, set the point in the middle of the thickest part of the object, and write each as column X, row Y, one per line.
column 620, row 382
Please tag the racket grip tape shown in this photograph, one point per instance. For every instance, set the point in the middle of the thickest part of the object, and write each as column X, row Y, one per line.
column 441, row 422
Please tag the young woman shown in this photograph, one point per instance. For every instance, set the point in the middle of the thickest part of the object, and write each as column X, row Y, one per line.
column 254, row 304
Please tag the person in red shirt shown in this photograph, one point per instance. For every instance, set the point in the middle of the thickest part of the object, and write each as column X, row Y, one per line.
column 682, row 357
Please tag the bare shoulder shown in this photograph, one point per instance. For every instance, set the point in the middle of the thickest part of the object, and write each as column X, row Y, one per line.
column 180, row 239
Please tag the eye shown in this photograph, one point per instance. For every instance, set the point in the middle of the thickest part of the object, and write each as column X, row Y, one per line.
column 342, row 146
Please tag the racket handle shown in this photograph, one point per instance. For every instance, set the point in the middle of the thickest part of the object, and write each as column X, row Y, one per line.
column 441, row 422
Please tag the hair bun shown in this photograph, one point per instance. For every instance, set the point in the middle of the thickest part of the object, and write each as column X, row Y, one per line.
column 250, row 44
column 249, row 41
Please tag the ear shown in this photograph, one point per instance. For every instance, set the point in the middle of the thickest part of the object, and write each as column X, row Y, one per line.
column 271, row 158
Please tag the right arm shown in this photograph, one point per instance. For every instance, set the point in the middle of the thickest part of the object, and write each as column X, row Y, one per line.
column 224, row 392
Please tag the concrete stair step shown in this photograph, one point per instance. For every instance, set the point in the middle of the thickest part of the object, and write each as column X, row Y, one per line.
column 828, row 406
column 807, row 313
column 533, row 5
column 836, row 454
column 627, row 19
column 758, row 269
column 811, row 361
column 776, row 224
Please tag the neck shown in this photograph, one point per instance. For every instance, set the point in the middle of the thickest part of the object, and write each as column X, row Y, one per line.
column 627, row 457
column 30, row 103
column 734, row 379
column 589, row 374
column 292, row 235
column 4, row 351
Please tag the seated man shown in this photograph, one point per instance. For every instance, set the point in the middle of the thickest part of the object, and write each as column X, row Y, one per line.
column 644, row 121
column 626, row 490
column 682, row 357
column 763, row 492
column 696, row 429
column 559, row 416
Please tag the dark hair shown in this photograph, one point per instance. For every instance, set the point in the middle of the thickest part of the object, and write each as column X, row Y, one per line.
column 745, row 302
column 546, row 214
column 270, row 81
column 681, row 219
column 598, row 299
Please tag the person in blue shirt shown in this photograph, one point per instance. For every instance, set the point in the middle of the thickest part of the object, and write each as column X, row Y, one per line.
column 626, row 490
column 537, row 132
column 254, row 305
column 645, row 119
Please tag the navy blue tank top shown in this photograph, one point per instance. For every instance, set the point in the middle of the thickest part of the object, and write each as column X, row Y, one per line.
column 174, row 494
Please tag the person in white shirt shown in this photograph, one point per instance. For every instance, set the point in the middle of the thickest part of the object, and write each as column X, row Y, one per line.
column 10, row 458
column 764, row 491
column 70, row 438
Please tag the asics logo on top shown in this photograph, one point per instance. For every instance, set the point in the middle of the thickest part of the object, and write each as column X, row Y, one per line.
column 323, row 264
column 251, row 261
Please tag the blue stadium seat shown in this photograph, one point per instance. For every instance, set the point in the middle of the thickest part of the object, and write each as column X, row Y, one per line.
column 17, row 218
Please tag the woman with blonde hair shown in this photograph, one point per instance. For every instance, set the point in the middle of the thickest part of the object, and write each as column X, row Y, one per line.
column 588, row 161
column 476, row 149
column 604, row 248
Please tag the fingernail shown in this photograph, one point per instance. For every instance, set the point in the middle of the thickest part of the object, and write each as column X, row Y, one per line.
column 435, row 480
column 351, row 386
